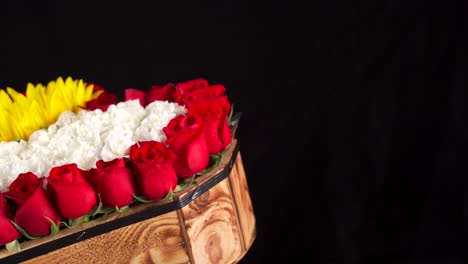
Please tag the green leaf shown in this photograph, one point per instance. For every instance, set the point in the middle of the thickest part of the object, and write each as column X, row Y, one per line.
column 231, row 114
column 122, row 209
column 13, row 246
column 169, row 195
column 54, row 228
column 85, row 219
column 97, row 208
column 180, row 187
column 21, row 230
column 106, row 210
column 67, row 225
column 141, row 199
column 72, row 223
column 184, row 184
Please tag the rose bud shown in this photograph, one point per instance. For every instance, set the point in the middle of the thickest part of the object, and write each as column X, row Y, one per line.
column 104, row 100
column 213, row 114
column 9, row 232
column 70, row 192
column 192, row 84
column 20, row 189
column 135, row 94
column 113, row 182
column 160, row 93
column 183, row 88
column 154, row 175
column 33, row 209
column 155, row 93
column 186, row 140
column 207, row 93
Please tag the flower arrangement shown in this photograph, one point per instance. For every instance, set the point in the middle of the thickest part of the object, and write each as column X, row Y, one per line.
column 71, row 152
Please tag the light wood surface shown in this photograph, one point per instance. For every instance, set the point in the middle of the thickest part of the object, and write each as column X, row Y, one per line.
column 242, row 201
column 156, row 240
column 212, row 226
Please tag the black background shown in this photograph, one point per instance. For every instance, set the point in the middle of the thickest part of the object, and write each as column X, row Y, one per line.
column 353, row 131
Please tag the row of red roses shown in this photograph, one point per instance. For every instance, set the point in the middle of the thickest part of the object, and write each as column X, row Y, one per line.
column 152, row 170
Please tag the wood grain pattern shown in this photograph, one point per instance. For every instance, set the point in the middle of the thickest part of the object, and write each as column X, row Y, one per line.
column 212, row 226
column 156, row 240
column 82, row 228
column 242, row 201
column 217, row 227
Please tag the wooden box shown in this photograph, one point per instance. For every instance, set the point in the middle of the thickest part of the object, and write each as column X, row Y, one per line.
column 211, row 222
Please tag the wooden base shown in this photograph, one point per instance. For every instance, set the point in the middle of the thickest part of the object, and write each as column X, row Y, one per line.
column 216, row 227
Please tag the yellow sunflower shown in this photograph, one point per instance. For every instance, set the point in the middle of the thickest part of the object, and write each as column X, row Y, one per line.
column 40, row 106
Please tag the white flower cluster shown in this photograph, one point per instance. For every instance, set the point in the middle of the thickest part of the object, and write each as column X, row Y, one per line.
column 85, row 138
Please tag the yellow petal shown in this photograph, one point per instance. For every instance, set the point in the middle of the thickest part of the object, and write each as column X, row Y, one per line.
column 6, row 132
column 14, row 94
column 5, row 100
column 41, row 105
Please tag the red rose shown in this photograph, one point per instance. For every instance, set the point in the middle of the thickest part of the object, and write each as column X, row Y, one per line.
column 69, row 190
column 20, row 190
column 187, row 141
column 156, row 93
column 9, row 232
column 104, row 100
column 210, row 92
column 35, row 210
column 213, row 114
column 160, row 93
column 207, row 93
column 155, row 177
column 135, row 94
column 113, row 182
column 191, row 85
column 176, row 124
column 183, row 88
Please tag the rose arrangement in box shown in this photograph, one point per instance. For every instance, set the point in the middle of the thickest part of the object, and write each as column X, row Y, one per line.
column 71, row 152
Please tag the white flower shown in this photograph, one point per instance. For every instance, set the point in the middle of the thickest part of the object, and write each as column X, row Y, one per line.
column 8, row 174
column 117, row 144
column 159, row 113
column 12, row 147
column 85, row 138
